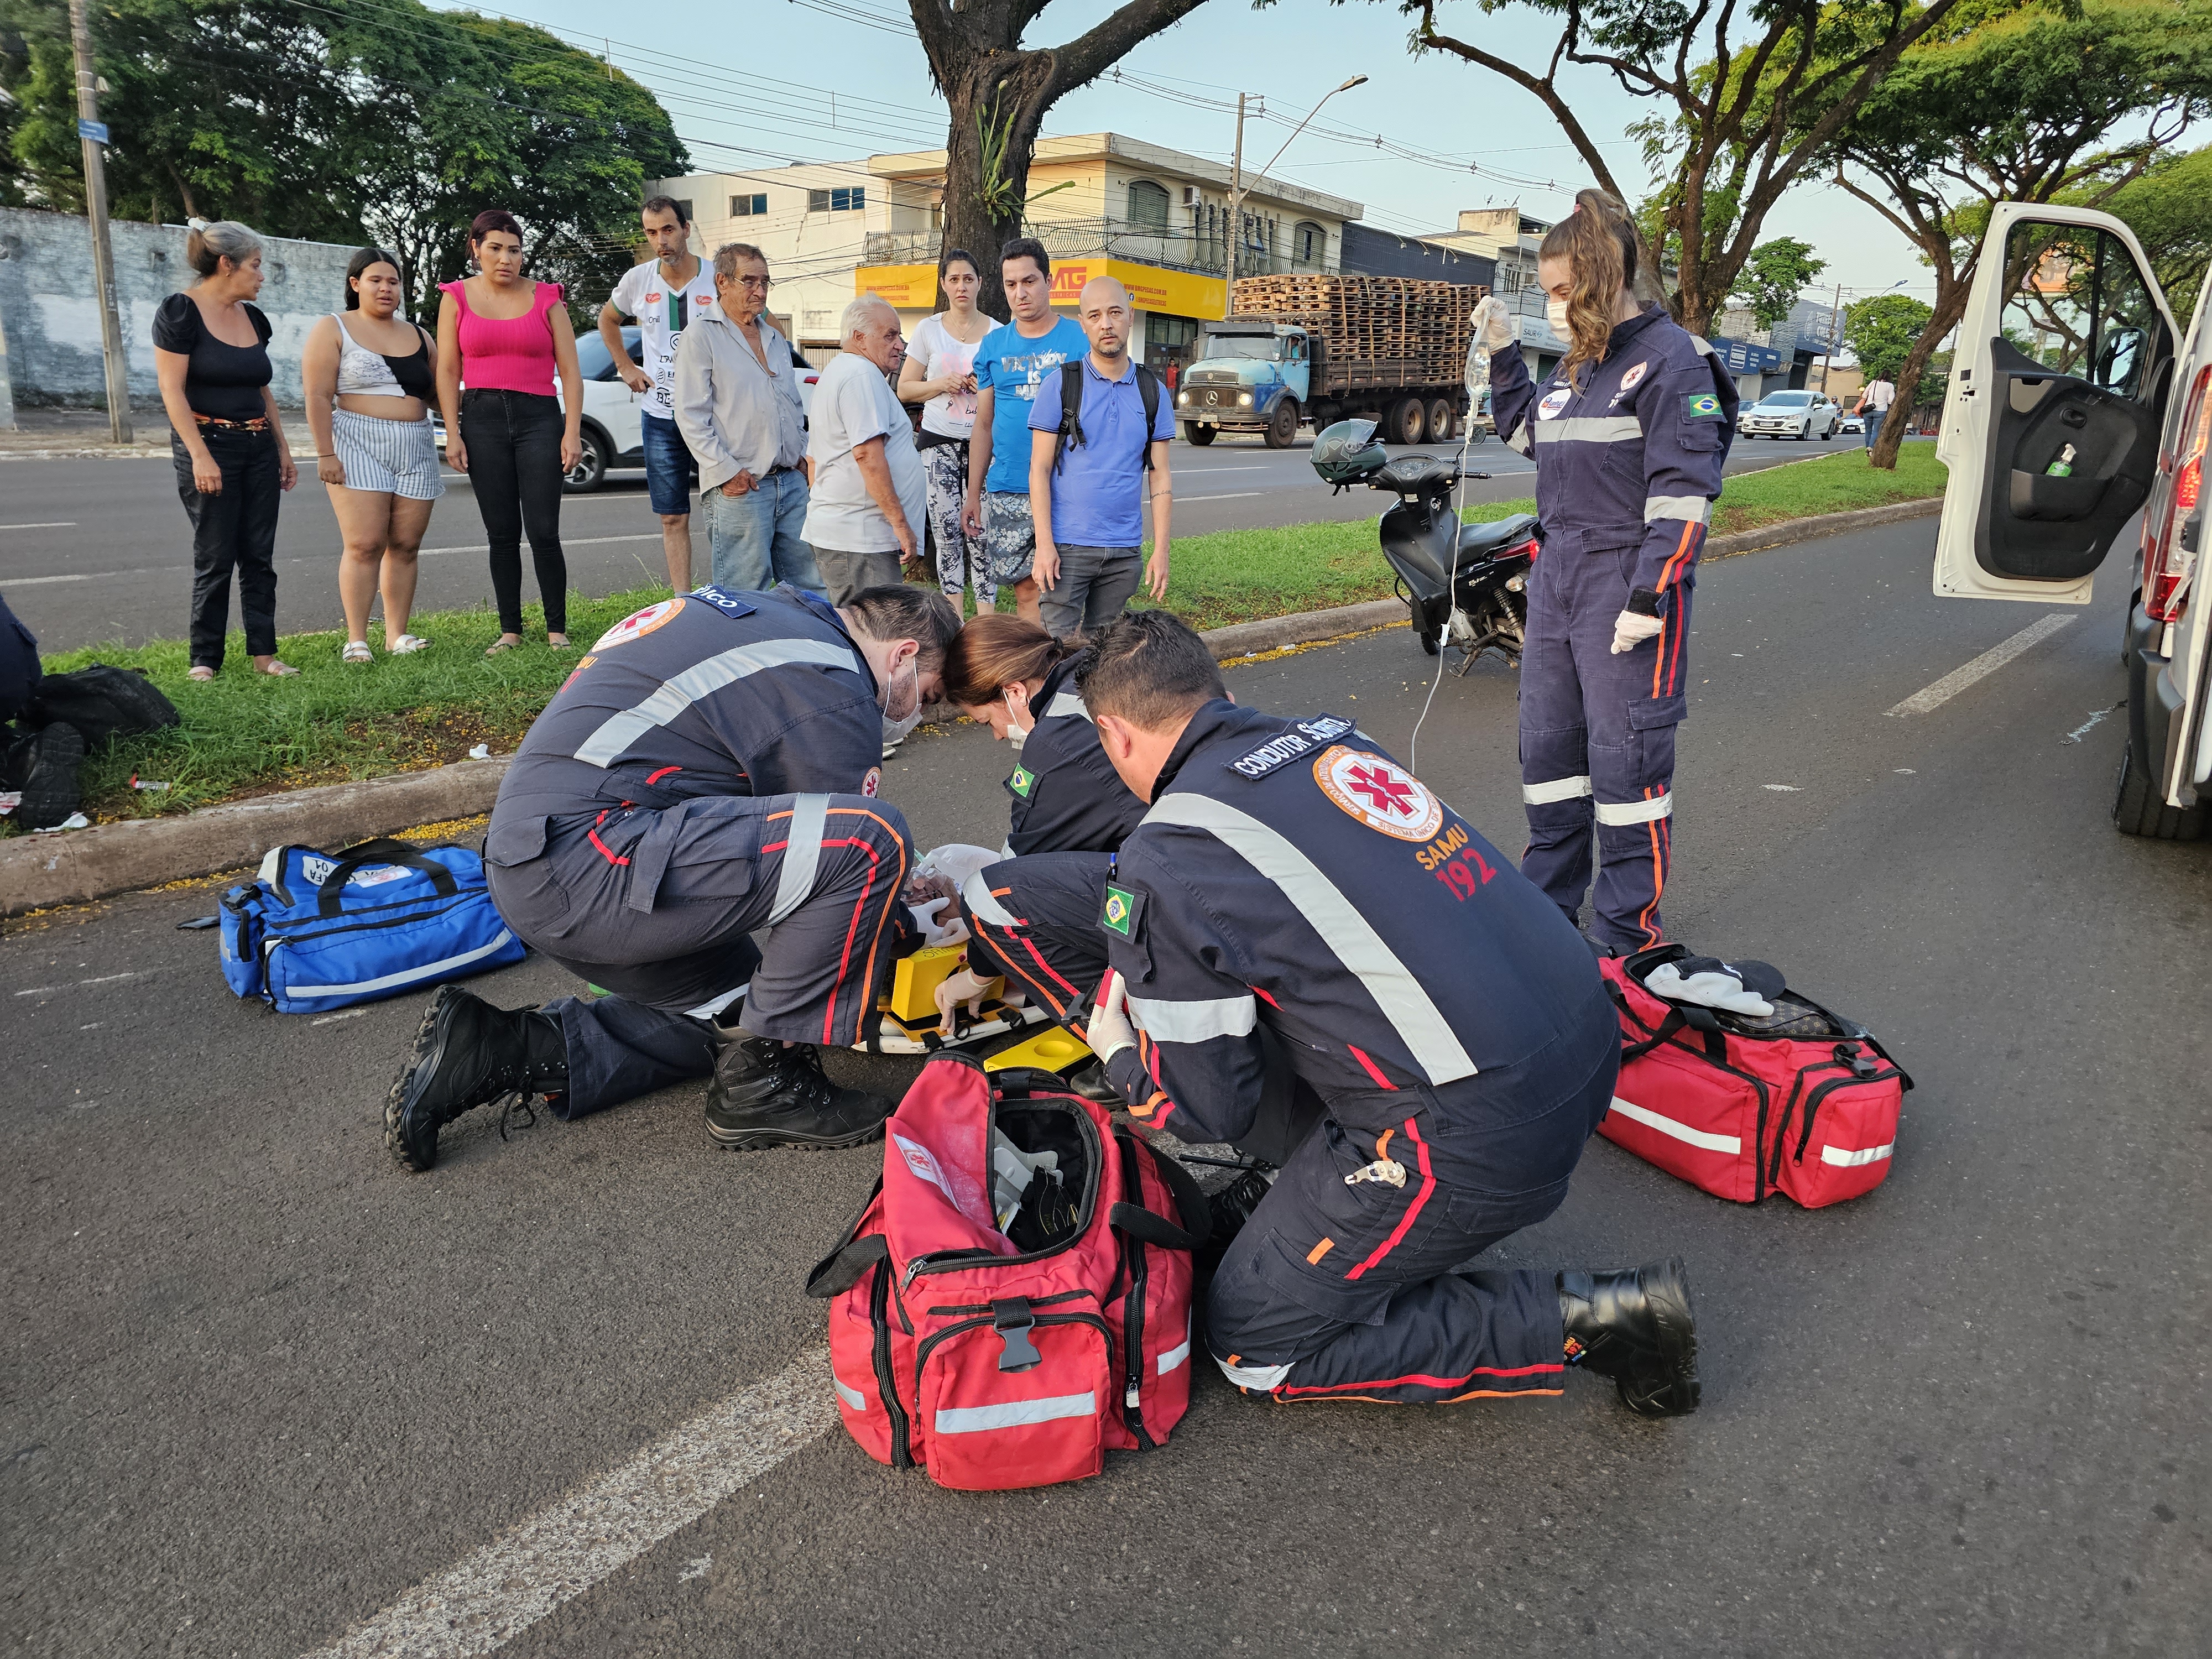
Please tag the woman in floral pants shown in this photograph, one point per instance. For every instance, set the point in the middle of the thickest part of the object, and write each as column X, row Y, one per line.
column 939, row 374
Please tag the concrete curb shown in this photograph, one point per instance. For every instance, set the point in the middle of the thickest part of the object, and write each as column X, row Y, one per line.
column 82, row 865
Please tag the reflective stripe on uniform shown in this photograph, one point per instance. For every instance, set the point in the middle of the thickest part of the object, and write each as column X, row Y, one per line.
column 1698, row 345
column 1695, row 508
column 1637, row 812
column 605, row 746
column 1418, row 1021
column 1266, row 1378
column 1065, row 703
column 802, row 855
column 976, row 894
column 1517, row 440
column 1195, row 1022
column 1591, row 429
column 715, row 1005
column 1015, row 1413
column 1559, row 789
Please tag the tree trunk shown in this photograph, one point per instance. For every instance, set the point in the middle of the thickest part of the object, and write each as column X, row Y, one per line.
column 996, row 111
column 1949, row 307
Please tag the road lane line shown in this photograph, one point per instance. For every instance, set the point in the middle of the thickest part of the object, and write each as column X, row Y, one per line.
column 1933, row 696
column 496, row 1593
column 61, row 524
column 1236, row 495
column 78, row 985
column 186, row 570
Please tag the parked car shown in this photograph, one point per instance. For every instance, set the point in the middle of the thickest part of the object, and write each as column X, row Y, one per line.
column 1853, row 425
column 1798, row 415
column 2076, row 402
column 610, row 435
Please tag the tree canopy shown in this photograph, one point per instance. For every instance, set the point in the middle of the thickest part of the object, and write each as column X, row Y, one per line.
column 2169, row 208
column 1774, row 276
column 1881, row 330
column 349, row 121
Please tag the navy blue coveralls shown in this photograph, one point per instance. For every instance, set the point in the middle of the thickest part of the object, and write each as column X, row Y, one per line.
column 1034, row 917
column 709, row 771
column 1289, row 878
column 1626, row 470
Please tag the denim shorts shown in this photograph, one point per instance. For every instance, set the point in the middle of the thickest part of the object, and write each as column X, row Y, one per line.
column 671, row 472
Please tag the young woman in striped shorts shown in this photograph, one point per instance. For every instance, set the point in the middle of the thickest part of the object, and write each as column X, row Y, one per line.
column 370, row 376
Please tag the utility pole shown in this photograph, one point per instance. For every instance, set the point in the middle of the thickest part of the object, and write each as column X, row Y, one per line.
column 94, row 138
column 1835, row 323
column 1236, row 203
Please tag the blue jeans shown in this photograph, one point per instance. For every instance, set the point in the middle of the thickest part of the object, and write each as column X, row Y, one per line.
column 1875, row 418
column 671, row 471
column 753, row 538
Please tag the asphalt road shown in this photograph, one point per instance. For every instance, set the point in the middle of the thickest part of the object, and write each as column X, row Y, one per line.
column 93, row 552
column 262, row 1383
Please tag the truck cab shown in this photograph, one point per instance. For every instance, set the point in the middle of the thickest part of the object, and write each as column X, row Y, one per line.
column 1249, row 374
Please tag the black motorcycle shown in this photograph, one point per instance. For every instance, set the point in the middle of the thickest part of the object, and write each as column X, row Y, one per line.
column 1468, row 591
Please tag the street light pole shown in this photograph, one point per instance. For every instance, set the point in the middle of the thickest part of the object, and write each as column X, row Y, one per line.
column 93, row 138
column 1237, row 173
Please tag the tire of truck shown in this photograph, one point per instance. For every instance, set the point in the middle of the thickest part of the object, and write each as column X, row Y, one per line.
column 1193, row 433
column 2138, row 810
column 1441, row 422
column 1405, row 421
column 1283, row 425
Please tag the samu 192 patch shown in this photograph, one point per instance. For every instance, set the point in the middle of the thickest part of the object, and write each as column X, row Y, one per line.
column 1123, row 912
column 1700, row 406
column 1022, row 784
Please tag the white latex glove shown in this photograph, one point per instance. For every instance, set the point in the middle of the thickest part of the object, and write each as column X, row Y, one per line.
column 1630, row 630
column 1110, row 1032
column 1493, row 323
column 960, row 985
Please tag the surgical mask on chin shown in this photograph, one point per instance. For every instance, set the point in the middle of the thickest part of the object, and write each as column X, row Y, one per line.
column 897, row 726
column 1555, row 314
column 1015, row 733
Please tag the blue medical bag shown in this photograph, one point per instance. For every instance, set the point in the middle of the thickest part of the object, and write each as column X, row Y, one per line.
column 316, row 931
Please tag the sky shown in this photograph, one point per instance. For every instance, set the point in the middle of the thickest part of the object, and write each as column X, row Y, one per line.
column 828, row 80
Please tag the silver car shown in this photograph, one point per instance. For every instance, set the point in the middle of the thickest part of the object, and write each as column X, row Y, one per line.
column 1799, row 415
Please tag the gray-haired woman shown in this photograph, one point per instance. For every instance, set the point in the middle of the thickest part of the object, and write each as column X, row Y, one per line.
column 211, row 355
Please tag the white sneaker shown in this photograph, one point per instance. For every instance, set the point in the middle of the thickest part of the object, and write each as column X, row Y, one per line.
column 406, row 643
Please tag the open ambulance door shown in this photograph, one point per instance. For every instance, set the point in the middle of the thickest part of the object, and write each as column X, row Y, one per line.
column 2066, row 346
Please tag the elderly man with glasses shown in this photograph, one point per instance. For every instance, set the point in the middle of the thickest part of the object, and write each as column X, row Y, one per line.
column 737, row 408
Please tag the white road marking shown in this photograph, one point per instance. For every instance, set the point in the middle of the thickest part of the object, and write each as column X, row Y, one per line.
column 78, row 985
column 1783, row 788
column 499, row 1591
column 186, row 570
column 332, row 1019
column 1235, row 495
column 1934, row 697
column 1193, row 472
column 566, row 541
column 63, row 524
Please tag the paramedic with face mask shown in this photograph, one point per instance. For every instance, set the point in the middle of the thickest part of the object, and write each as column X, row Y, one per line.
column 708, row 773
column 1629, row 434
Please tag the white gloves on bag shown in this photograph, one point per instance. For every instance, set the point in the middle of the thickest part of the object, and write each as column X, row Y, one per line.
column 1110, row 1030
column 1630, row 630
column 1493, row 323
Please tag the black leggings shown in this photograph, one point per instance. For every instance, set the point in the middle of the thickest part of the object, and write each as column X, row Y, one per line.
column 513, row 440
column 234, row 530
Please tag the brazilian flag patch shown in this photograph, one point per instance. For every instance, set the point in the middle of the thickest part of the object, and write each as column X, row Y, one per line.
column 1121, row 909
column 1022, row 783
column 1700, row 406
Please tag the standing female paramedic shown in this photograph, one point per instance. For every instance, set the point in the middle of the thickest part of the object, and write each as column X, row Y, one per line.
column 1629, row 434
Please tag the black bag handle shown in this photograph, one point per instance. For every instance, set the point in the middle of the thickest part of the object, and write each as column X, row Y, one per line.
column 1140, row 1223
column 840, row 1270
column 384, row 849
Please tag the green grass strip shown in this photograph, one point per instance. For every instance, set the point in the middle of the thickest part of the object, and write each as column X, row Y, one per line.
column 244, row 734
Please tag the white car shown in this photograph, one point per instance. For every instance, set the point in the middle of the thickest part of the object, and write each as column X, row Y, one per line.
column 2076, row 401
column 611, row 434
column 1798, row 415
column 1852, row 426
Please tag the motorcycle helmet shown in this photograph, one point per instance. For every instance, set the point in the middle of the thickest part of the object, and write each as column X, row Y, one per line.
column 1346, row 452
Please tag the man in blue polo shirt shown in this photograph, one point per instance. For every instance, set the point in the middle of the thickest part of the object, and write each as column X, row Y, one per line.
column 1083, row 485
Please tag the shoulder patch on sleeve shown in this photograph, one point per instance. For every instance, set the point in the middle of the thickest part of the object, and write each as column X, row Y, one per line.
column 1303, row 739
column 722, row 599
column 1123, row 912
column 638, row 624
column 1701, row 406
column 1022, row 784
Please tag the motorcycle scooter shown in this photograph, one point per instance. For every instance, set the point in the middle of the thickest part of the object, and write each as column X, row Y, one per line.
column 1466, row 586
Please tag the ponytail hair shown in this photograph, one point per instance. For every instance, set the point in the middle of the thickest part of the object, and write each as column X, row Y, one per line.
column 993, row 652
column 1598, row 242
column 207, row 245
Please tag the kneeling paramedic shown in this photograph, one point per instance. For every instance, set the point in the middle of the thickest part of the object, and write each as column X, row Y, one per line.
column 709, row 771
column 1292, row 877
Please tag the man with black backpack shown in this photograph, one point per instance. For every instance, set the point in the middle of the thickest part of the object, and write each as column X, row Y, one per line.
column 1099, row 431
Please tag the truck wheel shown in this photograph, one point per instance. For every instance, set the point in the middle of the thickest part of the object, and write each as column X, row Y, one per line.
column 1405, row 421
column 1193, row 433
column 1440, row 420
column 2138, row 810
column 1283, row 424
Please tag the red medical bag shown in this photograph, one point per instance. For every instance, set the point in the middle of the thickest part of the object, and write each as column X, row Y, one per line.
column 1801, row 1102
column 1017, row 1358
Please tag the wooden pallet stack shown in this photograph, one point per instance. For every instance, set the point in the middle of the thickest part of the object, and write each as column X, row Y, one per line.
column 1378, row 330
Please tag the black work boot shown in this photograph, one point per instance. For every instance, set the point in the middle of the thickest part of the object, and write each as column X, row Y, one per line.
column 1635, row 1324
column 467, row 1055
column 767, row 1095
column 1231, row 1207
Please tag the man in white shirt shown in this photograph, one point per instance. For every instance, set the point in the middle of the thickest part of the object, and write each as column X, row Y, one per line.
column 868, row 501
column 1873, row 407
column 665, row 295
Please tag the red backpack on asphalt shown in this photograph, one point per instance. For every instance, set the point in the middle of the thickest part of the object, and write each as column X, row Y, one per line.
column 1801, row 1102
column 1015, row 1298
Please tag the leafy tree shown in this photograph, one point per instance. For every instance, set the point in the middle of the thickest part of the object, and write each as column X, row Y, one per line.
column 1729, row 127
column 1880, row 331
column 2017, row 103
column 2165, row 206
column 1776, row 274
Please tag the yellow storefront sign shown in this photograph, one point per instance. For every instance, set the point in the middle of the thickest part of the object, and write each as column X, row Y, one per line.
column 1176, row 293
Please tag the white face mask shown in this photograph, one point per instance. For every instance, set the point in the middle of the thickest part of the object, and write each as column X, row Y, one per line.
column 1555, row 314
column 895, row 726
column 1016, row 732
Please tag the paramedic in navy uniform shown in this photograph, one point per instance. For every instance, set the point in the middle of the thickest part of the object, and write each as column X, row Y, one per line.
column 708, row 772
column 1291, row 879
column 1629, row 435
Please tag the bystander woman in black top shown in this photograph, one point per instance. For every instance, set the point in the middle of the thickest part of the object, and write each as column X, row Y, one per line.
column 212, row 353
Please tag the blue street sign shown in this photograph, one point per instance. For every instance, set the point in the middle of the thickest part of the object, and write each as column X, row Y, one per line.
column 96, row 130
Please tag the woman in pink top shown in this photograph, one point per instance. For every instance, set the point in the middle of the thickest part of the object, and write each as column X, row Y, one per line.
column 505, row 338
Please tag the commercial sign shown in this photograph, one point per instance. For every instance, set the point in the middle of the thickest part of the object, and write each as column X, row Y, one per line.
column 1742, row 357
column 1176, row 293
